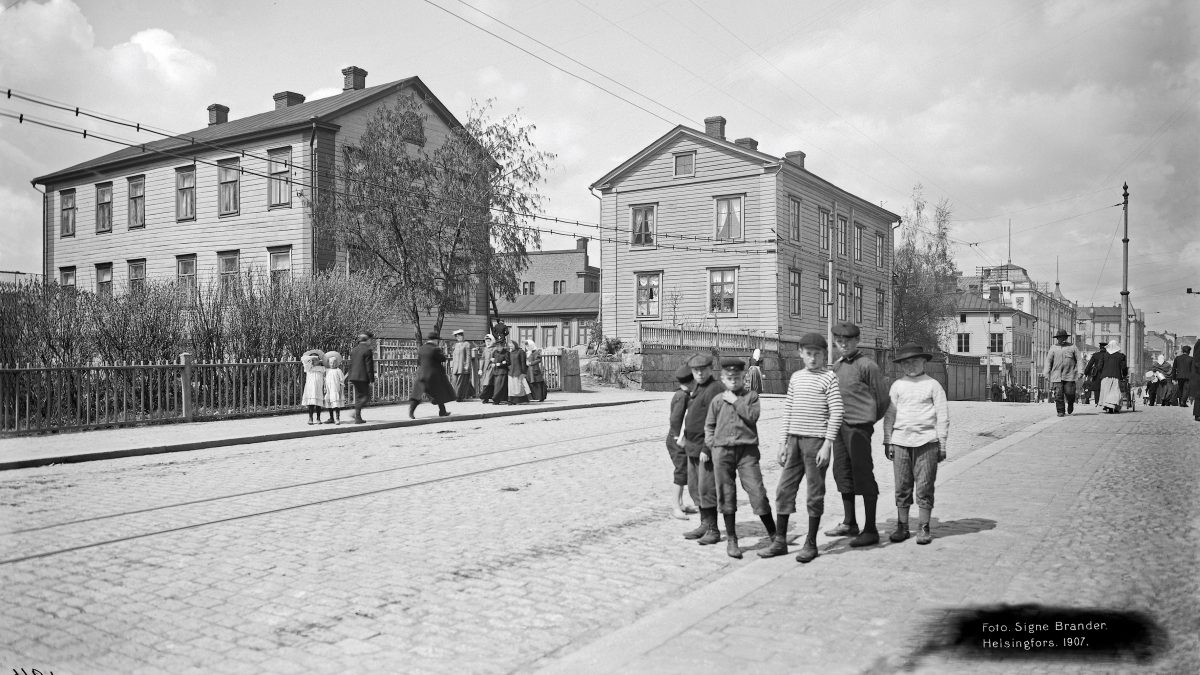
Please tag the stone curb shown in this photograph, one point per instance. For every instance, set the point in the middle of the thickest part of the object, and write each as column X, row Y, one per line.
column 288, row 435
column 618, row 651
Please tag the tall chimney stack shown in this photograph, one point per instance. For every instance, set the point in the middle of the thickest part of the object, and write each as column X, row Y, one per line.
column 747, row 143
column 285, row 99
column 355, row 78
column 218, row 114
column 715, row 127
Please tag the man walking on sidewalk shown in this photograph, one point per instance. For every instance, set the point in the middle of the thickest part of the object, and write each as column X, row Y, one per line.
column 1182, row 370
column 1062, row 369
column 864, row 402
column 461, row 365
column 362, row 373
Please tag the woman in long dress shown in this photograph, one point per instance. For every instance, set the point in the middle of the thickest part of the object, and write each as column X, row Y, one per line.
column 1112, row 372
column 518, row 386
column 500, row 365
column 486, row 390
column 754, row 377
column 537, row 378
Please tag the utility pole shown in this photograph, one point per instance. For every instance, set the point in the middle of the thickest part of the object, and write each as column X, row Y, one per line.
column 1125, row 277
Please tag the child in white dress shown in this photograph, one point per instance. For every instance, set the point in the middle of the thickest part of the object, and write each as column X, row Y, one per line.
column 335, row 387
column 314, row 384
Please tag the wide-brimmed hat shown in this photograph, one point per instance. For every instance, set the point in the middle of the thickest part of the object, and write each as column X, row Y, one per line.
column 314, row 352
column 458, row 331
column 910, row 350
column 1062, row 333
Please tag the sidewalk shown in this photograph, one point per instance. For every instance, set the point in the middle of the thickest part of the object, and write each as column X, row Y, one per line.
column 1059, row 514
column 81, row 446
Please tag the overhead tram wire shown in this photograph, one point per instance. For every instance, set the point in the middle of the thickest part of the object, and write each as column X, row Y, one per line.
column 1100, row 274
column 85, row 133
column 560, row 68
column 112, row 119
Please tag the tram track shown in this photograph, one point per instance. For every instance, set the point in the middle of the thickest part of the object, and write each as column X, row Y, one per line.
column 319, row 502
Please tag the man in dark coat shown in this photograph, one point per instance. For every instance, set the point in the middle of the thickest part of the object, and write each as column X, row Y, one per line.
column 1092, row 372
column 362, row 373
column 1182, row 369
column 431, row 378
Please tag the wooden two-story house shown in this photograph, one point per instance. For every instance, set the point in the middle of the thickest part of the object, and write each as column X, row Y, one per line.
column 707, row 231
column 212, row 203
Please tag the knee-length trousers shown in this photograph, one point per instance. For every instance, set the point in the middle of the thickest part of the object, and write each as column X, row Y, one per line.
column 853, row 468
column 801, row 463
column 916, row 471
column 733, row 461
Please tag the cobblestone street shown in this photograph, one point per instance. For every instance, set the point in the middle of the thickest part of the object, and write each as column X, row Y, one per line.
column 545, row 542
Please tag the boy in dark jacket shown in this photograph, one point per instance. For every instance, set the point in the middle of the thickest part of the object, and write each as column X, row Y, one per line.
column 678, row 455
column 700, row 479
column 731, row 436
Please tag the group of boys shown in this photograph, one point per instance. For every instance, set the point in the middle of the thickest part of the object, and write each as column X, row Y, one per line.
column 829, row 415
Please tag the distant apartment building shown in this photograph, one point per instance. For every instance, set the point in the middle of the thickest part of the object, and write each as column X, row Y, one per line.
column 708, row 231
column 214, row 202
column 1011, row 285
column 560, row 300
column 1001, row 336
column 1161, row 343
column 16, row 278
column 1103, row 324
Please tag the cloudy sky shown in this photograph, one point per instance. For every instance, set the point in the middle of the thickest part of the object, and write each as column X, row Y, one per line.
column 1029, row 112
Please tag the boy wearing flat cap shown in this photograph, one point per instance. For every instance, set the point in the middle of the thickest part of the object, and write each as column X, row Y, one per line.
column 864, row 402
column 812, row 417
column 676, row 452
column 731, row 435
column 915, row 431
column 700, row 479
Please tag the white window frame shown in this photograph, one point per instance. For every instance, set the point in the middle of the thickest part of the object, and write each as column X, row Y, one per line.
column 228, row 280
column 104, row 286
column 136, row 202
column 185, row 273
column 964, row 343
column 858, row 304
column 880, row 242
column 795, row 214
column 279, row 183
column 858, row 240
column 709, row 290
column 675, row 164
column 842, row 244
column 136, row 269
column 104, row 207
column 795, row 292
column 843, row 294
column 229, row 187
column 280, row 262
column 67, row 276
column 824, row 223
column 651, row 226
column 66, row 210
column 741, row 210
column 185, row 195
column 656, row 302
column 823, row 297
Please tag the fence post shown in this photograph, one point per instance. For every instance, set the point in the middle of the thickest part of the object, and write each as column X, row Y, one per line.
column 189, row 413
column 568, row 371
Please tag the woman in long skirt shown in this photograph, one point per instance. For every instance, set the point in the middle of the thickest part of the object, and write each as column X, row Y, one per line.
column 754, row 377
column 537, row 378
column 486, row 365
column 1112, row 373
column 518, row 386
column 500, row 364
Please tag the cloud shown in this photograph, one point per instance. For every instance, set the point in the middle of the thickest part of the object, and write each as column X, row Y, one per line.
column 324, row 92
column 22, row 245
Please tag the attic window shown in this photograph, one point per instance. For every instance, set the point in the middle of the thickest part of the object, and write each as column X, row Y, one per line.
column 685, row 164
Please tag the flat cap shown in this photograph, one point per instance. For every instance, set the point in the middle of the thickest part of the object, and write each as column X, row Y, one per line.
column 700, row 361
column 684, row 374
column 814, row 340
column 845, row 329
column 732, row 363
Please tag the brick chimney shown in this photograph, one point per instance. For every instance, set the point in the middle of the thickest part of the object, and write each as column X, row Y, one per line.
column 218, row 114
column 285, row 99
column 796, row 157
column 715, row 127
column 747, row 143
column 355, row 77
column 994, row 293
column 581, row 243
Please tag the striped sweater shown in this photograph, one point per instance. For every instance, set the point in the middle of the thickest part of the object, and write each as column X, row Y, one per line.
column 814, row 405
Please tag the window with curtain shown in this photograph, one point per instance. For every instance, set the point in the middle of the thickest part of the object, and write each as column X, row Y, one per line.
column 137, row 202
column 66, row 276
column 185, row 193
column 722, row 286
column 104, row 279
column 648, row 294
column 104, row 209
column 137, row 276
column 279, row 165
column 185, row 273
column 66, row 205
column 229, row 173
column 729, row 218
column 281, row 265
column 228, row 270
column 642, row 228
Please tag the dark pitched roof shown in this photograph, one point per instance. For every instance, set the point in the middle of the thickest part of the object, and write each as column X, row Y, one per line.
column 969, row 302
column 321, row 110
column 560, row 303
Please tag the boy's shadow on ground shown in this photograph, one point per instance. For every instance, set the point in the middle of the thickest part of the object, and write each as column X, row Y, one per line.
column 940, row 529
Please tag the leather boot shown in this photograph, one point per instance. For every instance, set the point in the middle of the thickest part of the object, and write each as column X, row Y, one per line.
column 732, row 548
column 778, row 547
column 807, row 552
column 712, row 536
column 698, row 532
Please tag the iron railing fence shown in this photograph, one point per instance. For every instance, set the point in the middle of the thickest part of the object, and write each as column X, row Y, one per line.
column 704, row 337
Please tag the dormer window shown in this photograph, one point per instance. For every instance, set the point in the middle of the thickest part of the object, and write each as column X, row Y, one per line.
column 685, row 164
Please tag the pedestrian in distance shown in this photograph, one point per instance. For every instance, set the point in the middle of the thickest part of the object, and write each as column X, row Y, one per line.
column 431, row 378
column 518, row 382
column 812, row 419
column 1182, row 370
column 701, row 480
column 864, row 402
column 486, row 364
column 536, row 375
column 1092, row 371
column 500, row 363
column 335, row 387
column 313, row 396
column 731, row 438
column 362, row 373
column 915, row 431
column 679, row 403
column 1063, row 366
column 754, row 375
column 461, row 365
column 1195, row 381
column 1112, row 373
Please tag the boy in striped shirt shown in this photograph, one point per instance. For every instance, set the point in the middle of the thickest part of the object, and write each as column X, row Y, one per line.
column 812, row 417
